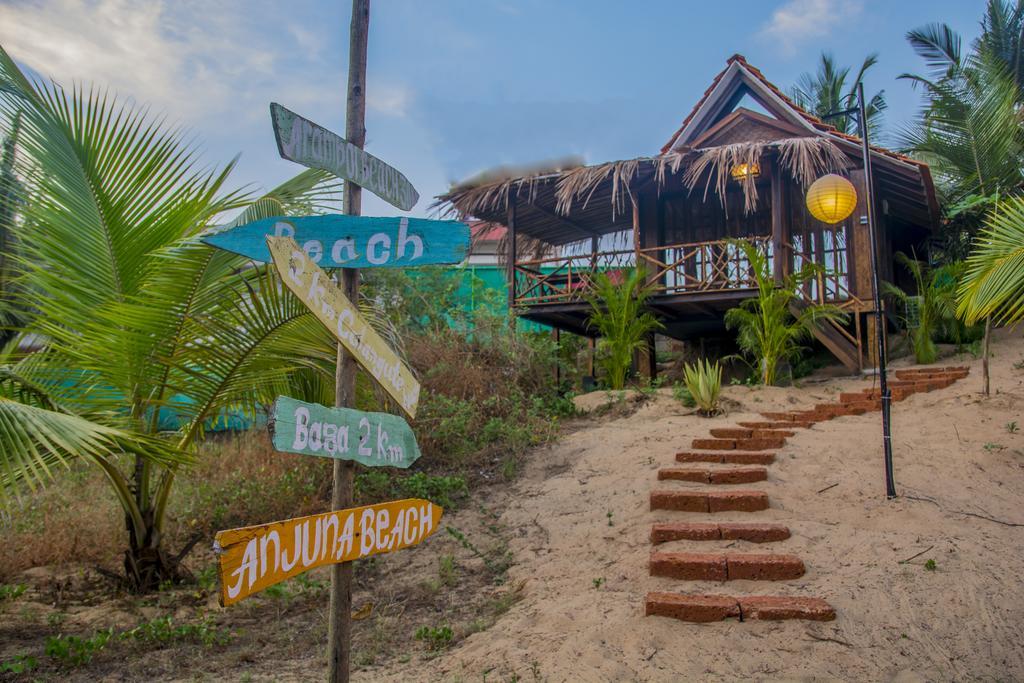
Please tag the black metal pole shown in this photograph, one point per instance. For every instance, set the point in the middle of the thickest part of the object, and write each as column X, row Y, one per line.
column 890, row 484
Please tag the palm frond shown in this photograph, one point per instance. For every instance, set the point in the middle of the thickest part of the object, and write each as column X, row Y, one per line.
column 993, row 283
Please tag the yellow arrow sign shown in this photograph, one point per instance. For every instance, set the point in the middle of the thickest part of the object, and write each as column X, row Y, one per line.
column 256, row 557
column 328, row 303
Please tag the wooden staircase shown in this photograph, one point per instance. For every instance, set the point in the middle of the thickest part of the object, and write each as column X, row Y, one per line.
column 843, row 345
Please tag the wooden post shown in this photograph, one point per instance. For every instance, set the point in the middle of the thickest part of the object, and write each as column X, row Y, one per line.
column 511, row 265
column 636, row 228
column 984, row 356
column 778, row 221
column 557, row 334
column 652, row 358
column 339, row 634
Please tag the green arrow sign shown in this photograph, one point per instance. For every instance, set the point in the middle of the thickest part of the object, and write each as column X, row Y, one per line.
column 373, row 439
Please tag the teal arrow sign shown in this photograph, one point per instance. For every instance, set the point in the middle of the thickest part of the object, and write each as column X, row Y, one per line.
column 373, row 439
column 340, row 241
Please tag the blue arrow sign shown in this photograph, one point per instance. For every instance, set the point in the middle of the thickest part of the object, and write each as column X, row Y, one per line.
column 340, row 241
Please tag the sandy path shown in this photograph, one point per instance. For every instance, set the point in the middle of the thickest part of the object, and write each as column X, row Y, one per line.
column 894, row 620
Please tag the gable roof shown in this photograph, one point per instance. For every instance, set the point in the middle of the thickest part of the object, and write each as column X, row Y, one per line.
column 739, row 77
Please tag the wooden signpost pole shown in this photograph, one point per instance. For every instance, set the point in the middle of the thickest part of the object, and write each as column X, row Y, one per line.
column 339, row 649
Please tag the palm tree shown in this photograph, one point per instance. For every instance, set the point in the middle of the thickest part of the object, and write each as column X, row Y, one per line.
column 136, row 312
column 993, row 285
column 768, row 331
column 618, row 315
column 826, row 91
column 972, row 136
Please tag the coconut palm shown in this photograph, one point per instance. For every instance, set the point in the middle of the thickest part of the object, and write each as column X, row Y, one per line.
column 617, row 302
column 993, row 285
column 136, row 314
column 770, row 328
column 830, row 89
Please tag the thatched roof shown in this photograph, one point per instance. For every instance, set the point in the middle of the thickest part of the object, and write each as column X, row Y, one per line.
column 560, row 206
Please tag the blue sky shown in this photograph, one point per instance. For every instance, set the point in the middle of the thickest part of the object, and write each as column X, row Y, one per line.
column 456, row 86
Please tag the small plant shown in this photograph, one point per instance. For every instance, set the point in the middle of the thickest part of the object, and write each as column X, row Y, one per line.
column 930, row 565
column 610, row 523
column 12, row 591
column 683, row 395
column 436, row 637
column 990, row 446
column 598, row 582
column 162, row 631
column 704, row 383
column 76, row 651
column 1019, row 365
column 446, row 570
column 19, row 665
column 1012, row 427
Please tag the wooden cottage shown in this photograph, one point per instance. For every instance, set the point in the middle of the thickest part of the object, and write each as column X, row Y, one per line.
column 728, row 172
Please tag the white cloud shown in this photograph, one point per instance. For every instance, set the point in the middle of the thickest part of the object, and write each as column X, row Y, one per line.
column 181, row 56
column 799, row 21
column 391, row 99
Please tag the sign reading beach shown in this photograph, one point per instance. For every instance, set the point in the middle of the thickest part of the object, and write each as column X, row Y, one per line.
column 306, row 143
column 255, row 557
column 373, row 439
column 343, row 241
column 328, row 303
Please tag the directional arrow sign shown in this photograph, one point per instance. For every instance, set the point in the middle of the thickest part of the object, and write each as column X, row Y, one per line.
column 341, row 241
column 256, row 557
column 306, row 143
column 328, row 303
column 373, row 439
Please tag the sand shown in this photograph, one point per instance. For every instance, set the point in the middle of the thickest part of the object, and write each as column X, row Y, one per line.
column 582, row 517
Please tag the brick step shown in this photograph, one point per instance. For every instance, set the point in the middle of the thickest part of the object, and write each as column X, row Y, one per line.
column 709, row 501
column 762, row 444
column 726, row 566
column 791, row 416
column 729, row 531
column 748, row 433
column 705, row 475
column 726, row 457
column 706, row 608
column 776, row 424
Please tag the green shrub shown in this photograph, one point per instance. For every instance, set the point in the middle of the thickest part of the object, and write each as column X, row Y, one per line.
column 162, row 630
column 683, row 395
column 704, row 385
column 436, row 637
column 76, row 651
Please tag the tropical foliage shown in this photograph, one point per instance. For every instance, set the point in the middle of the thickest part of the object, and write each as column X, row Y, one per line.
column 136, row 315
column 993, row 284
column 703, row 381
column 771, row 326
column 617, row 302
column 830, row 89
column 931, row 310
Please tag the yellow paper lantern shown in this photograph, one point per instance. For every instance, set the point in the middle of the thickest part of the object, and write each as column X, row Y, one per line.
column 831, row 198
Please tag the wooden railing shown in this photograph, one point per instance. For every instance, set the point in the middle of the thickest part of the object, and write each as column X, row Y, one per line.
column 565, row 279
column 716, row 266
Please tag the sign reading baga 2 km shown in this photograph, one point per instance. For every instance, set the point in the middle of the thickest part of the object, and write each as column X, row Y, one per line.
column 255, row 557
column 373, row 439
column 306, row 143
column 342, row 241
column 328, row 303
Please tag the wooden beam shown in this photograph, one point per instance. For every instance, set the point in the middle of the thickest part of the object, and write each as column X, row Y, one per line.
column 778, row 220
column 510, row 266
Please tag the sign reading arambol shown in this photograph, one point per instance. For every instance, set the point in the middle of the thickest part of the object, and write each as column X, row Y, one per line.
column 255, row 557
column 306, row 143
column 330, row 305
column 373, row 439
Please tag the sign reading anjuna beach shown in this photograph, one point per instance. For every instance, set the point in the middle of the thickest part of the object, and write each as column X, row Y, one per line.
column 372, row 439
column 304, row 142
column 255, row 557
column 343, row 241
column 328, row 303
